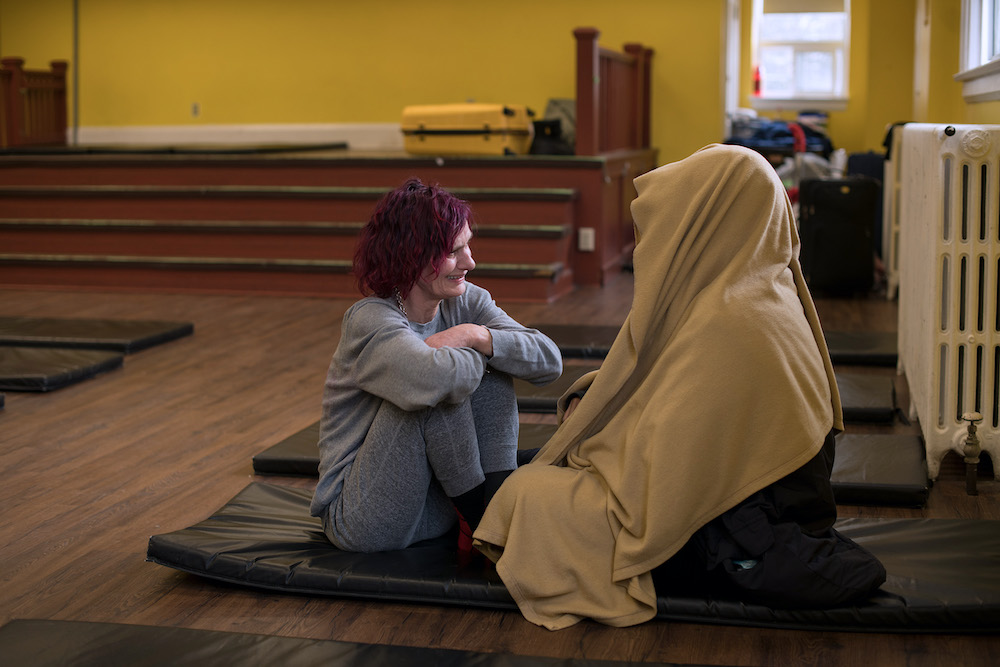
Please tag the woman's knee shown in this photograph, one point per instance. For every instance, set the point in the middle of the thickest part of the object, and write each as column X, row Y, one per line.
column 497, row 389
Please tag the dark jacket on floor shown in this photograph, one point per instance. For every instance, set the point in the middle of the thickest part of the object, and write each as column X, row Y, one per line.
column 777, row 548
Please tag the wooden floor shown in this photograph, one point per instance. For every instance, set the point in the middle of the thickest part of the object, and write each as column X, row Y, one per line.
column 89, row 472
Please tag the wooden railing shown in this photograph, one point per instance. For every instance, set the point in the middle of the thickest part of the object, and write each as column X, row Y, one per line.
column 612, row 95
column 32, row 104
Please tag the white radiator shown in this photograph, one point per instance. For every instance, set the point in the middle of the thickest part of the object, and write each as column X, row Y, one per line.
column 949, row 301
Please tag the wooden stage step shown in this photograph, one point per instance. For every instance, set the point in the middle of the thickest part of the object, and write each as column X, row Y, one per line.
column 539, row 243
column 228, row 275
column 259, row 202
column 589, row 195
column 259, row 239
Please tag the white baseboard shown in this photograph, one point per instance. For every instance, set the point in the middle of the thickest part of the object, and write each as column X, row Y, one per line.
column 358, row 136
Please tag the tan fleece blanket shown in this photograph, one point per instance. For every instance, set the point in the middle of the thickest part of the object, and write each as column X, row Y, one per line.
column 718, row 384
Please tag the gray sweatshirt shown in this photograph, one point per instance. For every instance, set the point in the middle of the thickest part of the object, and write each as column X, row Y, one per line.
column 382, row 357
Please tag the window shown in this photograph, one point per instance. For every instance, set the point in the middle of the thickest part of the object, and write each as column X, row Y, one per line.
column 980, row 75
column 800, row 50
column 991, row 31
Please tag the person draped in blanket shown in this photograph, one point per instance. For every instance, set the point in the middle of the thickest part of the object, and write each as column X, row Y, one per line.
column 419, row 413
column 699, row 456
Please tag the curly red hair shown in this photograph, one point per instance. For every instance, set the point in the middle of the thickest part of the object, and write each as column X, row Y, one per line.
column 411, row 228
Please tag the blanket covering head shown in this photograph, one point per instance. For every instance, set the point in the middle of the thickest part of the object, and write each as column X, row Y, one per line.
column 718, row 384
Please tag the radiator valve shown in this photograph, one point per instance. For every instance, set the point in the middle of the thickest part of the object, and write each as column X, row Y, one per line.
column 971, row 451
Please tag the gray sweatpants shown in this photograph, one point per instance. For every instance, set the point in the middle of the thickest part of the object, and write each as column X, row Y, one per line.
column 398, row 488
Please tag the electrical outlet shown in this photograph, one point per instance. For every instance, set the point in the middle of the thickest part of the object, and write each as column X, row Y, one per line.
column 195, row 109
column 586, row 241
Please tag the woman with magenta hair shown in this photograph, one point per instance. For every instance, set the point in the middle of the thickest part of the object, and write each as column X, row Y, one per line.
column 419, row 412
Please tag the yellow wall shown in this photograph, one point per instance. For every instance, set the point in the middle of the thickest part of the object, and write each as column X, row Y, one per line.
column 986, row 112
column 937, row 96
column 37, row 30
column 888, row 69
column 146, row 62
column 939, row 27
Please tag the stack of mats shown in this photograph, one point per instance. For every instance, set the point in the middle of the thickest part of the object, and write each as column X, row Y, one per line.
column 870, row 469
column 867, row 348
column 865, row 397
column 43, row 354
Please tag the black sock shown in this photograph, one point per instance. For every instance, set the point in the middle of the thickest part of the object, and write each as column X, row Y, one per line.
column 471, row 505
column 492, row 484
column 524, row 456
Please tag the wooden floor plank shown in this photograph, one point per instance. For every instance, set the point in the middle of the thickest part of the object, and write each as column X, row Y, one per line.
column 89, row 472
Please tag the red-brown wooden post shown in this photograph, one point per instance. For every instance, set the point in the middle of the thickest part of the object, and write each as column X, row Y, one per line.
column 638, row 101
column 587, row 88
column 13, row 102
column 59, row 68
column 643, row 90
column 4, row 79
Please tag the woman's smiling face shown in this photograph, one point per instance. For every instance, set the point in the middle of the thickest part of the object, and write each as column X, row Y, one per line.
column 450, row 281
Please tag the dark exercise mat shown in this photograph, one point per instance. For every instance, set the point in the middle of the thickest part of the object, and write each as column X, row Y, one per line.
column 531, row 398
column 862, row 348
column 880, row 469
column 45, row 369
column 298, row 453
column 587, row 341
column 43, row 643
column 859, row 348
column 865, row 398
column 126, row 336
column 870, row 469
column 942, row 574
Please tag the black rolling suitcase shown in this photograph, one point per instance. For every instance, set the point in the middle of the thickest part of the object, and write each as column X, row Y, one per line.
column 837, row 221
column 870, row 165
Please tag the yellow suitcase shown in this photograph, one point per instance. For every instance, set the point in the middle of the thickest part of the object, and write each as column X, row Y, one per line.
column 467, row 129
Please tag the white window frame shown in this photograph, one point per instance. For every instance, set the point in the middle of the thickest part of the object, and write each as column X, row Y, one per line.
column 980, row 77
column 802, row 102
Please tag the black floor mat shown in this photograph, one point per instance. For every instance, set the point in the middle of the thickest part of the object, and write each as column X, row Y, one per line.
column 942, row 574
column 855, row 348
column 46, row 369
column 125, row 336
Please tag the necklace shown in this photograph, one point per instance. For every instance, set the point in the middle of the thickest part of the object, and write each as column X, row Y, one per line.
column 399, row 302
